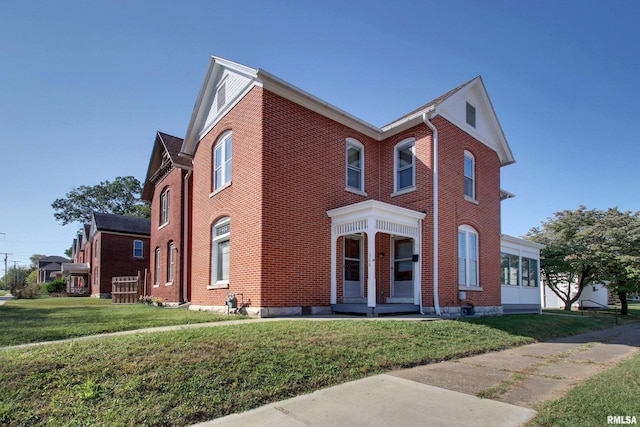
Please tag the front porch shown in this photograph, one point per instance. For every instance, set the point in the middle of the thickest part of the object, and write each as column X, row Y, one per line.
column 379, row 309
column 379, row 275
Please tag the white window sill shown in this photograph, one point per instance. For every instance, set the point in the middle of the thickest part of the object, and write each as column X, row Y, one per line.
column 471, row 199
column 356, row 191
column 469, row 288
column 228, row 184
column 163, row 225
column 169, row 284
column 403, row 191
column 219, row 285
column 157, row 285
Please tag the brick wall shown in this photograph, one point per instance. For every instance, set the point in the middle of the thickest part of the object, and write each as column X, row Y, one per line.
column 115, row 258
column 162, row 235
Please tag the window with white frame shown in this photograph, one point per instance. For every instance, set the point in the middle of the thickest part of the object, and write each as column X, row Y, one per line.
column 467, row 256
column 156, row 267
column 469, row 176
column 471, row 115
column 138, row 248
column 222, row 152
column 530, row 272
column 164, row 207
column 171, row 256
column 510, row 269
column 220, row 246
column 355, row 165
column 405, row 166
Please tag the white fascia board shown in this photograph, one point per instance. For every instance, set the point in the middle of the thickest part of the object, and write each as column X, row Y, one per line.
column 315, row 104
column 510, row 241
column 203, row 101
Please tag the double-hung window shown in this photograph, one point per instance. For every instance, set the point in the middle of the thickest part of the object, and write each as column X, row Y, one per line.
column 164, row 207
column 510, row 269
column 222, row 152
column 467, row 256
column 220, row 253
column 405, row 166
column 171, row 256
column 156, row 267
column 530, row 272
column 354, row 166
column 138, row 248
column 469, row 176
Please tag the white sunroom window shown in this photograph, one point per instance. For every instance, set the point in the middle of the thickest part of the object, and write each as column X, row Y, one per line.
column 220, row 253
column 222, row 161
column 467, row 256
column 354, row 165
column 405, row 166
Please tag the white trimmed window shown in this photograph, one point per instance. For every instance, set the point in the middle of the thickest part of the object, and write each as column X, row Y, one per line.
column 467, row 256
column 405, row 167
column 156, row 267
column 138, row 248
column 164, row 207
column 171, row 257
column 354, row 166
column 220, row 253
column 471, row 115
column 510, row 269
column 222, row 162
column 469, row 176
column 530, row 272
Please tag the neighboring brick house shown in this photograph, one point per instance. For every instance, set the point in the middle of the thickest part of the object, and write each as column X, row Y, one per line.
column 164, row 188
column 79, row 268
column 117, row 246
column 295, row 206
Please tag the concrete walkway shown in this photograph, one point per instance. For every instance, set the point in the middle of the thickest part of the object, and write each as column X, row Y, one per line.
column 512, row 382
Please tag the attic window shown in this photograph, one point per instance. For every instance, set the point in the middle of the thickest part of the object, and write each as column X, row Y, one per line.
column 222, row 96
column 471, row 115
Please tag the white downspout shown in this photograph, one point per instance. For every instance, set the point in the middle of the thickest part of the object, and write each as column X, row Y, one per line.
column 185, row 236
column 426, row 118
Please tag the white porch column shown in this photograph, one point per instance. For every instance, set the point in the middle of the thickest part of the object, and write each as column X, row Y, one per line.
column 334, row 270
column 371, row 267
column 417, row 270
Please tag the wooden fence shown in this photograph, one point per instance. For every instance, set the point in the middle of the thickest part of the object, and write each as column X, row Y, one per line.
column 126, row 289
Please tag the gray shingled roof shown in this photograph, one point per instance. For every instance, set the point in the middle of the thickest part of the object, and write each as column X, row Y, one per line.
column 122, row 224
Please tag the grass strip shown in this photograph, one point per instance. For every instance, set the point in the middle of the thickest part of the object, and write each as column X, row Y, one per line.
column 612, row 393
column 180, row 378
column 50, row 319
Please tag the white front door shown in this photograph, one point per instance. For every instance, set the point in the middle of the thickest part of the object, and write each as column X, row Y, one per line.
column 353, row 285
column 402, row 270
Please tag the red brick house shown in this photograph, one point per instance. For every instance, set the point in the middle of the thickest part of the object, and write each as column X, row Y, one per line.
column 295, row 206
column 166, row 187
column 117, row 246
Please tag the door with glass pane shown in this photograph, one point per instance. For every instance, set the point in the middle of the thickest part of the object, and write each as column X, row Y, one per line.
column 353, row 284
column 402, row 270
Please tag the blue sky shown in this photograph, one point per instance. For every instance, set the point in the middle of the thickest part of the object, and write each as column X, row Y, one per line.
column 84, row 86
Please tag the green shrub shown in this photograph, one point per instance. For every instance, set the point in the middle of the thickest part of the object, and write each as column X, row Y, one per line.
column 58, row 285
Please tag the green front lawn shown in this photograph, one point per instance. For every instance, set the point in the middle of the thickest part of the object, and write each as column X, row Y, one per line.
column 183, row 377
column 49, row 319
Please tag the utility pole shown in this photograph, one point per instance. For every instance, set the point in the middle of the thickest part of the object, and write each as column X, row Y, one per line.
column 6, row 262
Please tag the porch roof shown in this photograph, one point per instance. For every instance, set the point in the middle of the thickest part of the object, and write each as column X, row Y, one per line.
column 374, row 216
column 76, row 268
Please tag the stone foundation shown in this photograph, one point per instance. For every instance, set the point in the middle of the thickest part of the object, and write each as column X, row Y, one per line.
column 264, row 311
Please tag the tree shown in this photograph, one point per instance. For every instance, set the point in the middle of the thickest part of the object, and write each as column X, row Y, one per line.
column 118, row 197
column 35, row 258
column 617, row 247
column 568, row 257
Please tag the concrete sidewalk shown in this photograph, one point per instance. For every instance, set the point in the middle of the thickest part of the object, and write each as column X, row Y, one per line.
column 444, row 394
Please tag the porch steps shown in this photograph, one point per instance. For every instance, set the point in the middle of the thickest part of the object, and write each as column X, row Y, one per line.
column 375, row 311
